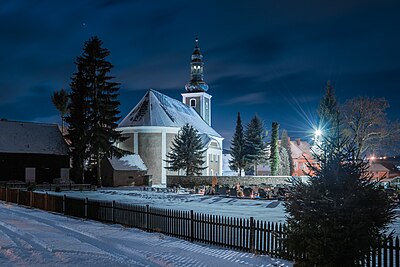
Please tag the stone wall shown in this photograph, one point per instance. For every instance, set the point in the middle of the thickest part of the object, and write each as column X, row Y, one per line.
column 174, row 180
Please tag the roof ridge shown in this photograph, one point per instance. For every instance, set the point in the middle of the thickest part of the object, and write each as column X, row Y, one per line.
column 29, row 122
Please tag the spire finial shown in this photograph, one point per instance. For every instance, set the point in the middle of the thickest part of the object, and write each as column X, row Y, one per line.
column 197, row 42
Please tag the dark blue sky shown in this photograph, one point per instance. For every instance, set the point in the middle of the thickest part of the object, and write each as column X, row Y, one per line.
column 267, row 57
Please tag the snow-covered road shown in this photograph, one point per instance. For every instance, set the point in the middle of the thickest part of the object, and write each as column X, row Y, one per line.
column 30, row 237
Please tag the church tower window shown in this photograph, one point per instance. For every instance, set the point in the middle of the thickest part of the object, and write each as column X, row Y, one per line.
column 193, row 102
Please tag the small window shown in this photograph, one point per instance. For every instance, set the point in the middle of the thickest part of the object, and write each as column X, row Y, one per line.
column 192, row 102
column 211, row 172
column 211, row 158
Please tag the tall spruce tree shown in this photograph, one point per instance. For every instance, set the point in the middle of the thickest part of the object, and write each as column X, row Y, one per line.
column 328, row 113
column 285, row 143
column 274, row 158
column 238, row 160
column 99, row 93
column 340, row 214
column 254, row 146
column 78, row 124
column 187, row 152
column 60, row 101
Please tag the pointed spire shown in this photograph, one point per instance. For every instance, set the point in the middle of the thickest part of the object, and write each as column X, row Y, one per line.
column 196, row 83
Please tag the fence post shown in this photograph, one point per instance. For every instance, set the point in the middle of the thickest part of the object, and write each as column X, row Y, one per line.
column 6, row 194
column 252, row 234
column 18, row 196
column 113, row 211
column 64, row 204
column 191, row 226
column 147, row 218
column 86, row 208
column 45, row 201
column 30, row 199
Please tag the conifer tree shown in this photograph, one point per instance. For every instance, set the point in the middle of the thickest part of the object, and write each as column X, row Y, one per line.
column 187, row 152
column 337, row 216
column 328, row 113
column 60, row 101
column 254, row 146
column 286, row 144
column 78, row 124
column 283, row 166
column 238, row 161
column 98, row 106
column 274, row 158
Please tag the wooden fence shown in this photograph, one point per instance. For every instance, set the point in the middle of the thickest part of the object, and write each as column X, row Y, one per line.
column 243, row 234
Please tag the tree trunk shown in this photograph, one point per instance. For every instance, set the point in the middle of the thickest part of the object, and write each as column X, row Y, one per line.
column 83, row 172
column 99, row 183
column 240, row 172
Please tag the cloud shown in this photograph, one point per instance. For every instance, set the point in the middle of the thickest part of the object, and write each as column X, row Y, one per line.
column 248, row 99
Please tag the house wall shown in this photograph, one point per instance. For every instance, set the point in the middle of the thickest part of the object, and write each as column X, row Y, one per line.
column 47, row 167
column 128, row 144
column 150, row 150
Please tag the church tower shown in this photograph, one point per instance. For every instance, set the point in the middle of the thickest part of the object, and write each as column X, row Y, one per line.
column 196, row 90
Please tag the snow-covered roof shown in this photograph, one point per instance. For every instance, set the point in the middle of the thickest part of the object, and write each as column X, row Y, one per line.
column 32, row 138
column 128, row 163
column 377, row 167
column 156, row 109
column 300, row 148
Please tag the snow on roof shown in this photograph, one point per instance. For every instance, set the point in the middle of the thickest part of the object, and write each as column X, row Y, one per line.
column 299, row 148
column 32, row 138
column 128, row 163
column 156, row 109
column 377, row 167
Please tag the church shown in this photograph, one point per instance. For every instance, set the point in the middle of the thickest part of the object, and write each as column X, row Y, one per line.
column 151, row 126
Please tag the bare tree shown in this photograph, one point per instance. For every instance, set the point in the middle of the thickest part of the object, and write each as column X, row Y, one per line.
column 60, row 101
column 366, row 123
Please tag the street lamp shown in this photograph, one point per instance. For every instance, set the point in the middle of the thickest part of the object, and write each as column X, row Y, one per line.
column 318, row 132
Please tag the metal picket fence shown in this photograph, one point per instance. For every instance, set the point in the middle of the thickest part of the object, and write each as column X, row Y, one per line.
column 250, row 235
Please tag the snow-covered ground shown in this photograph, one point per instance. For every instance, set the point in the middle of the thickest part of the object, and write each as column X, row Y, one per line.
column 30, row 237
column 266, row 210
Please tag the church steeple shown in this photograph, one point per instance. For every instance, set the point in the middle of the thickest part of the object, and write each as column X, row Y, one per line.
column 196, row 89
column 196, row 83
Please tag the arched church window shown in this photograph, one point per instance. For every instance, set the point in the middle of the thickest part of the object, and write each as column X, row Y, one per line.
column 192, row 102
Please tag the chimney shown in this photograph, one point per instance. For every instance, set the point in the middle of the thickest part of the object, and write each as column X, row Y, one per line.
column 298, row 141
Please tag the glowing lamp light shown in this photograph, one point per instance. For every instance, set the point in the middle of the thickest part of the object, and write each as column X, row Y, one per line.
column 318, row 132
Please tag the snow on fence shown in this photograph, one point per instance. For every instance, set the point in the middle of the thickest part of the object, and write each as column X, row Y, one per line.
column 251, row 235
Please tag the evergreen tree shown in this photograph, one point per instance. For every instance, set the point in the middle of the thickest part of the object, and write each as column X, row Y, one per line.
column 77, row 119
column 286, row 144
column 274, row 157
column 238, row 161
column 60, row 101
column 337, row 216
column 254, row 146
column 98, row 103
column 284, row 166
column 187, row 152
column 328, row 113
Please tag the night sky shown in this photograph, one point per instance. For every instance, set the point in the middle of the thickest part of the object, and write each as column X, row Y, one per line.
column 272, row 58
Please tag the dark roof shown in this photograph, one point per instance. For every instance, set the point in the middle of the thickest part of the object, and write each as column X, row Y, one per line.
column 156, row 109
column 31, row 138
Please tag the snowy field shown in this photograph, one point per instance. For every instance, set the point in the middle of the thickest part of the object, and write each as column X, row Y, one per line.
column 30, row 237
column 267, row 210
